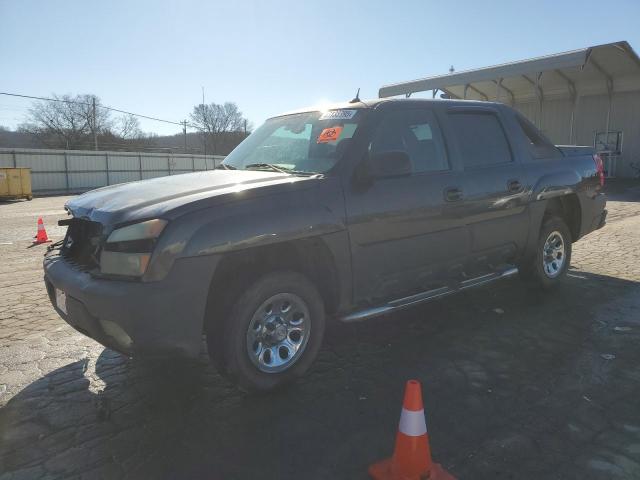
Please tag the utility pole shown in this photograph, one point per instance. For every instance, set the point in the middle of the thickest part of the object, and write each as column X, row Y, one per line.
column 245, row 128
column 204, row 132
column 95, row 127
column 184, row 132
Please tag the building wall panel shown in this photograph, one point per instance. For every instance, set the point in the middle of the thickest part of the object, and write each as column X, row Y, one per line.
column 6, row 159
column 156, row 164
column 87, row 162
column 59, row 171
column 87, row 181
column 123, row 177
column 124, row 162
column 181, row 163
column 48, row 182
column 41, row 162
column 590, row 118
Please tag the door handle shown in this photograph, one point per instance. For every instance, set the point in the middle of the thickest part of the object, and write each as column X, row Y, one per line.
column 514, row 186
column 452, row 194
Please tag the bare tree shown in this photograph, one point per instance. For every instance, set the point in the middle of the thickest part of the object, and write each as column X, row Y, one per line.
column 127, row 127
column 66, row 122
column 216, row 120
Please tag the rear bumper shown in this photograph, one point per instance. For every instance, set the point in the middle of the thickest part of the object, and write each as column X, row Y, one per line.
column 136, row 318
column 601, row 220
column 594, row 213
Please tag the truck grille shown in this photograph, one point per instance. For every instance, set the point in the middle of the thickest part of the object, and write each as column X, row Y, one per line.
column 83, row 243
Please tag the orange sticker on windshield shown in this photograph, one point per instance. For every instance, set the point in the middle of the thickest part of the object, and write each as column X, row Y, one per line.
column 329, row 134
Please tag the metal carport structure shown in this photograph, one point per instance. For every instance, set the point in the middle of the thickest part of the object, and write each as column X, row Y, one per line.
column 587, row 96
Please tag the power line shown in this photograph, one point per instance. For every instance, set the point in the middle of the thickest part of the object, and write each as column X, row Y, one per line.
column 62, row 100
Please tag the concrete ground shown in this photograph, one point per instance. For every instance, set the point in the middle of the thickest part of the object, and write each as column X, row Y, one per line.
column 518, row 384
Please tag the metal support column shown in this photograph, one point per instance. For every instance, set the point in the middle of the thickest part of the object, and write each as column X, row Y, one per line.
column 609, row 106
column 609, row 84
column 611, row 170
column 481, row 93
column 500, row 87
column 540, row 96
column 106, row 156
column 572, row 129
column 66, row 171
column 574, row 97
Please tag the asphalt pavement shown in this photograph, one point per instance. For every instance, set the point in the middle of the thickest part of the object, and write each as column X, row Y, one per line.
column 517, row 384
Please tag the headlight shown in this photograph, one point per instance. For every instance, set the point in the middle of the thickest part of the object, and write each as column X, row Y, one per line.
column 150, row 229
column 128, row 249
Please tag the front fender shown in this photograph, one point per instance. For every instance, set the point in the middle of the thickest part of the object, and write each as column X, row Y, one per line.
column 274, row 220
column 252, row 222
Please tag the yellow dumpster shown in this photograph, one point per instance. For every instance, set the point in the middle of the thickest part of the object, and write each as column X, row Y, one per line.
column 15, row 183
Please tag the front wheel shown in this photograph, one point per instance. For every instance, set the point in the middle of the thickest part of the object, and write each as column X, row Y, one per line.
column 272, row 333
column 552, row 256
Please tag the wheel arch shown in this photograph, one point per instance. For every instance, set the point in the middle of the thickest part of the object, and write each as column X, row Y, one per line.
column 310, row 257
column 568, row 208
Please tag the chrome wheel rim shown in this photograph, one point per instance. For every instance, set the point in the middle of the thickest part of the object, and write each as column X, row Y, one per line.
column 553, row 254
column 278, row 333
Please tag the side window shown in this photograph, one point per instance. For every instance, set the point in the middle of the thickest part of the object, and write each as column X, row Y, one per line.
column 539, row 145
column 481, row 139
column 415, row 132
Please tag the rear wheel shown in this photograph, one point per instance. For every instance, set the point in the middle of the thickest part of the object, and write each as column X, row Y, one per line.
column 272, row 332
column 552, row 256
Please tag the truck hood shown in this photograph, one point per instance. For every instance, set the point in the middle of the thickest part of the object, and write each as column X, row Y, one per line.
column 164, row 196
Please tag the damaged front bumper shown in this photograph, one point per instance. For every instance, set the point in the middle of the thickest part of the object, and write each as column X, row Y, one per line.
column 133, row 317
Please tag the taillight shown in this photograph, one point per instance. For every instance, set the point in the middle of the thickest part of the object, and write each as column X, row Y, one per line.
column 599, row 167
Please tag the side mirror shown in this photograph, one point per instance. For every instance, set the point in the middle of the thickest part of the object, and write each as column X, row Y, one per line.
column 390, row 164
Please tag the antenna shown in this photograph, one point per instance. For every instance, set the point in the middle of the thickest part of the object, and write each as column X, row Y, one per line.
column 356, row 99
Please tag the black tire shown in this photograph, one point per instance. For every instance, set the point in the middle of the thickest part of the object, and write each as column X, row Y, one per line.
column 228, row 339
column 533, row 270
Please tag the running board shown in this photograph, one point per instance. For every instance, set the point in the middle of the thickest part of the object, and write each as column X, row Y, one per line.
column 423, row 297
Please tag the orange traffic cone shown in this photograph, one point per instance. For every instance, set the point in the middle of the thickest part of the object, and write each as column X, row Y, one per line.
column 41, row 235
column 412, row 456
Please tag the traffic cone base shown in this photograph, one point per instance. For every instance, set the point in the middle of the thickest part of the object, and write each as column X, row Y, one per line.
column 382, row 471
column 41, row 234
column 411, row 458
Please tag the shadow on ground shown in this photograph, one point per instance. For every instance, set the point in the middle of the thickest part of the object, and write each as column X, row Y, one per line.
column 518, row 384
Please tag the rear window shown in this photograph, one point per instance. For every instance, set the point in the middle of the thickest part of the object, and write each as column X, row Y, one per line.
column 538, row 144
column 481, row 139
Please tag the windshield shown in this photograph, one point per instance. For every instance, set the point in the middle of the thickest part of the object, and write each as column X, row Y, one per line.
column 310, row 142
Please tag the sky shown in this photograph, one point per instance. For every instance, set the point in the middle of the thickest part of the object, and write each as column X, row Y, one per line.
column 154, row 57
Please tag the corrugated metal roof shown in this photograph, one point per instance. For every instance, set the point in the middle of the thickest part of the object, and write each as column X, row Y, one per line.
column 586, row 71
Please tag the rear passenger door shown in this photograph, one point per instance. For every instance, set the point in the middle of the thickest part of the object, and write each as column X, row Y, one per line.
column 493, row 195
column 404, row 234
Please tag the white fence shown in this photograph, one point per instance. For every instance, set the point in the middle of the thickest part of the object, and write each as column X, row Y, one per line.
column 74, row 171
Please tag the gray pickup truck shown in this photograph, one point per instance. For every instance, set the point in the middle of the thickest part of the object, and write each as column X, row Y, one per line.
column 356, row 211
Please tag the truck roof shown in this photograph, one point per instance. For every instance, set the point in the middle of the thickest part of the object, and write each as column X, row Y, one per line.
column 376, row 102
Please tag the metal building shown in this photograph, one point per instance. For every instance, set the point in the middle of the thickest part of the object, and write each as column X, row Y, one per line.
column 589, row 96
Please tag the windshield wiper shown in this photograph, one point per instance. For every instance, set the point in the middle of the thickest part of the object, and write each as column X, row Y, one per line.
column 276, row 168
column 271, row 166
column 224, row 166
